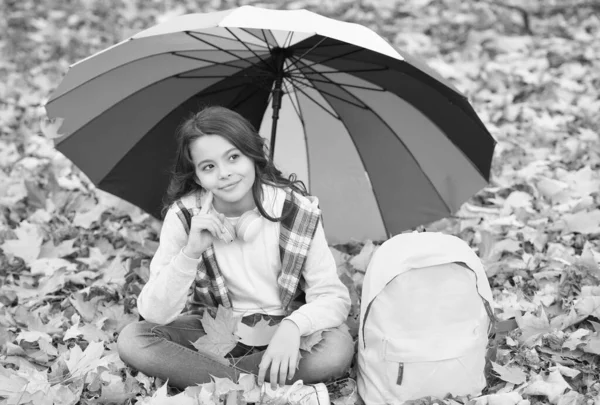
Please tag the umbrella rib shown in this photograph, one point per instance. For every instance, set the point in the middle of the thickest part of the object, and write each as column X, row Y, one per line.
column 288, row 39
column 222, row 37
column 245, row 45
column 346, row 71
column 333, row 95
column 325, row 60
column 316, row 102
column 255, row 36
column 266, row 40
column 307, row 52
column 347, row 85
column 213, row 62
column 218, row 48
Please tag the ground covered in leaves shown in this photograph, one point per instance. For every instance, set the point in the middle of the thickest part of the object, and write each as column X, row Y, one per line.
column 73, row 259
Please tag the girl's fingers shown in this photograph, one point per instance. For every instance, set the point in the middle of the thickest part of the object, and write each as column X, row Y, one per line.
column 283, row 371
column 274, row 372
column 207, row 203
column 262, row 369
column 292, row 366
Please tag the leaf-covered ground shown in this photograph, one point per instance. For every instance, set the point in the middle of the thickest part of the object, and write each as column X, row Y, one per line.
column 73, row 259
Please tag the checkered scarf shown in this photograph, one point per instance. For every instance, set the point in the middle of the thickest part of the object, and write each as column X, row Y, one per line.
column 297, row 230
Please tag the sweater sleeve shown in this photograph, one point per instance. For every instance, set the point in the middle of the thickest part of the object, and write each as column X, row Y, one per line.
column 327, row 298
column 171, row 275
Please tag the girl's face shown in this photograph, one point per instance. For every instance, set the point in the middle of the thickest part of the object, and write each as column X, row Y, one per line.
column 223, row 169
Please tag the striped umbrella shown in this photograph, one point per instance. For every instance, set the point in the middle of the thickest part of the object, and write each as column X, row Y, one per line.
column 383, row 141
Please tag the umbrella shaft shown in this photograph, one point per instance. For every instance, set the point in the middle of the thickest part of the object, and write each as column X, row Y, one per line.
column 277, row 95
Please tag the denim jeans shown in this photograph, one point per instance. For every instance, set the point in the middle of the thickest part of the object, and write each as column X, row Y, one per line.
column 166, row 351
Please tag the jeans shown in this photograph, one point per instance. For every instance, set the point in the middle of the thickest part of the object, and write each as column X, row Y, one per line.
column 166, row 351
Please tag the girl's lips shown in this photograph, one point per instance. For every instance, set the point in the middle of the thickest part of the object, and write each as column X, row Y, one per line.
column 230, row 186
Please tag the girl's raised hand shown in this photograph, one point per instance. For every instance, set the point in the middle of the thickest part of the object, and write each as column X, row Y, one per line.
column 204, row 228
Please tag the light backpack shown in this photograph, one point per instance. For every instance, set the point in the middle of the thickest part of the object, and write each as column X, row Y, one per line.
column 424, row 321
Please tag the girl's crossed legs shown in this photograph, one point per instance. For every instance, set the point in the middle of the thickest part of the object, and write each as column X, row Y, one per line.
column 166, row 351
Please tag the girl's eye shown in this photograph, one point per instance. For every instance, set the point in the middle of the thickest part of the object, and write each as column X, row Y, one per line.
column 235, row 156
column 207, row 168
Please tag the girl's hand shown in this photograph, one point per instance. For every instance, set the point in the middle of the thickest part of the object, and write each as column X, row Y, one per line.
column 282, row 354
column 204, row 229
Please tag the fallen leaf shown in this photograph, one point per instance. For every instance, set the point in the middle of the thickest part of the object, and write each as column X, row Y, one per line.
column 224, row 385
column 552, row 386
column 593, row 345
column 575, row 339
column 583, row 222
column 532, row 326
column 220, row 336
column 566, row 371
column 47, row 266
column 360, row 262
column 511, row 374
column 505, row 398
column 81, row 362
column 50, row 127
column 28, row 245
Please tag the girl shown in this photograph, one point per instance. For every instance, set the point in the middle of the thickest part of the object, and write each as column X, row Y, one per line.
column 237, row 234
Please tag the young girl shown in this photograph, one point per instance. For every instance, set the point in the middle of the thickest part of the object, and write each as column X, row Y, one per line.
column 238, row 234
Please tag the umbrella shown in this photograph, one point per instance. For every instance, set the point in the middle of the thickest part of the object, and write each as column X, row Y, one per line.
column 383, row 140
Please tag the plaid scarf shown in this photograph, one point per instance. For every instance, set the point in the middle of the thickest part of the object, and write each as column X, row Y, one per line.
column 297, row 230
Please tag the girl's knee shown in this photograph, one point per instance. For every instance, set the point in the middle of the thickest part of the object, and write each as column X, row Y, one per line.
column 339, row 347
column 129, row 341
column 330, row 358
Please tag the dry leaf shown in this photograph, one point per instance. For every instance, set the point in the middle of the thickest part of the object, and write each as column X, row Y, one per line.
column 552, row 386
column 28, row 245
column 220, row 336
column 511, row 374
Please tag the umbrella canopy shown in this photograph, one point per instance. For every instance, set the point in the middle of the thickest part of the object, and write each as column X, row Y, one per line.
column 383, row 141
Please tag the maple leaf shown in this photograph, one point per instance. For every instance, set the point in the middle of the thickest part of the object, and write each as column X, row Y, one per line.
column 160, row 397
column 47, row 266
column 50, row 127
column 551, row 386
column 593, row 345
column 28, row 245
column 575, row 339
column 360, row 262
column 505, row 398
column 87, row 309
column 116, row 318
column 257, row 335
column 81, row 362
column 220, row 336
column 532, row 326
column 511, row 374
column 11, row 384
column 49, row 250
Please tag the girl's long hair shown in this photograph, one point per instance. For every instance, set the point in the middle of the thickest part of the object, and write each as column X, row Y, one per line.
column 240, row 132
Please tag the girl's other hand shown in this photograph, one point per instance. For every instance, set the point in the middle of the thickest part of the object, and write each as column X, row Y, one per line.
column 204, row 229
column 282, row 355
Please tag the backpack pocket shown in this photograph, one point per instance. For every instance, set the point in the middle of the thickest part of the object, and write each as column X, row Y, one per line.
column 437, row 362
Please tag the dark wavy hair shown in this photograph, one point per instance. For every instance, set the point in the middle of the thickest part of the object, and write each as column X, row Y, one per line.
column 239, row 131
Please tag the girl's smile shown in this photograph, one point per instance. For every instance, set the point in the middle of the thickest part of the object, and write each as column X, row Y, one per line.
column 220, row 167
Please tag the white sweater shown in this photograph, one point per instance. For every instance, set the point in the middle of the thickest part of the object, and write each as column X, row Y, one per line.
column 250, row 271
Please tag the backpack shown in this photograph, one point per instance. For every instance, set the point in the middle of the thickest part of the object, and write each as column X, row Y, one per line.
column 426, row 313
